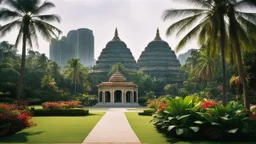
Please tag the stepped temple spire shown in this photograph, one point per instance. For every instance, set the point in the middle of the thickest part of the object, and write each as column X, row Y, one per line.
column 157, row 35
column 116, row 37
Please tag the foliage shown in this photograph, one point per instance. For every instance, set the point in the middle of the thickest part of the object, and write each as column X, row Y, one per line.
column 202, row 119
column 61, row 105
column 60, row 112
column 148, row 112
column 13, row 119
column 88, row 100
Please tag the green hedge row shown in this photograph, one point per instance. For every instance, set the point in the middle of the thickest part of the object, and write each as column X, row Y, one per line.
column 148, row 112
column 60, row 112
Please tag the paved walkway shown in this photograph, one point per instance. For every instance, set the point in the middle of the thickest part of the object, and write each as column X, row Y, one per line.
column 112, row 128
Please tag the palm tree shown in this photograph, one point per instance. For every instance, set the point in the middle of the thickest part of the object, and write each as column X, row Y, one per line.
column 242, row 25
column 76, row 71
column 210, row 30
column 27, row 16
column 206, row 66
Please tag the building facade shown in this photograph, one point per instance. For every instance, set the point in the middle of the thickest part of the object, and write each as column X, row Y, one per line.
column 78, row 44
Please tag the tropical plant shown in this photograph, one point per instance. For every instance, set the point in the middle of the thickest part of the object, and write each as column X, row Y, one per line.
column 212, row 31
column 76, row 72
column 27, row 16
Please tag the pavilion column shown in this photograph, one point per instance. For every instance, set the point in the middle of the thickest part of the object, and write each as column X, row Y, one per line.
column 112, row 96
column 103, row 97
column 98, row 96
column 124, row 94
column 137, row 97
column 132, row 97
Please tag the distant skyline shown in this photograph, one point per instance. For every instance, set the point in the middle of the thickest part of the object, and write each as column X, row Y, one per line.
column 136, row 20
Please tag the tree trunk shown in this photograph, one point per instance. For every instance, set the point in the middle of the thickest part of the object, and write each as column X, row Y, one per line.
column 75, row 85
column 23, row 59
column 241, row 70
column 222, row 47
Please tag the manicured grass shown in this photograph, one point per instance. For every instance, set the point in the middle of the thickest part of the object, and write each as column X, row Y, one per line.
column 56, row 130
column 147, row 133
column 36, row 106
column 137, row 109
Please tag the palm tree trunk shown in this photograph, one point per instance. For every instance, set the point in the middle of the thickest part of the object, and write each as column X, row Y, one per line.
column 241, row 71
column 23, row 59
column 222, row 46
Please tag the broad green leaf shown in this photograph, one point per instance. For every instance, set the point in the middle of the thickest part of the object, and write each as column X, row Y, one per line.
column 214, row 123
column 182, row 117
column 171, row 127
column 195, row 129
column 171, row 118
column 233, row 130
column 198, row 122
column 179, row 131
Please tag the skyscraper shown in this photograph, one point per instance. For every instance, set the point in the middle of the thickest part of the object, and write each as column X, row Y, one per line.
column 78, row 44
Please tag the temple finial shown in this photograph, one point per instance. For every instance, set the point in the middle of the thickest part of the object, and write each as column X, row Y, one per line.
column 116, row 37
column 157, row 35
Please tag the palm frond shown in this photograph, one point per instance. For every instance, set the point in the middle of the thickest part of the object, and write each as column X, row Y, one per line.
column 176, row 13
column 48, row 18
column 6, row 14
column 9, row 27
column 14, row 4
column 179, row 24
column 33, row 35
column 18, row 39
column 245, row 4
column 191, row 34
column 190, row 23
column 249, row 16
column 45, row 6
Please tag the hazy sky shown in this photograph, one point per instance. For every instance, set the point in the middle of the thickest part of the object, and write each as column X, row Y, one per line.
column 136, row 20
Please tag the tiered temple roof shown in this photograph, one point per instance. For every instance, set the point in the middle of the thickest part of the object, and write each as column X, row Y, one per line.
column 159, row 60
column 115, row 51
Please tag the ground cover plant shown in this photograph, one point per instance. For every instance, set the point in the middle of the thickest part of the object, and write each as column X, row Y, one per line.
column 56, row 130
column 13, row 119
column 62, row 105
column 192, row 118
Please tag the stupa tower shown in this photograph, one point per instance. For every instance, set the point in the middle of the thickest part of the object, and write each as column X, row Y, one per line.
column 159, row 60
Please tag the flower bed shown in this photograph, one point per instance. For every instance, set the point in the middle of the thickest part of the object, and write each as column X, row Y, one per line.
column 196, row 119
column 61, row 105
column 13, row 119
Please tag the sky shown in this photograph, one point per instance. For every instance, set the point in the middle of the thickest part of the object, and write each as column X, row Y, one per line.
column 136, row 20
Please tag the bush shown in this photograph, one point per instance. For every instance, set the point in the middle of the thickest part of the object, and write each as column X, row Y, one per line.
column 88, row 100
column 60, row 112
column 13, row 120
column 148, row 112
column 195, row 119
column 61, row 105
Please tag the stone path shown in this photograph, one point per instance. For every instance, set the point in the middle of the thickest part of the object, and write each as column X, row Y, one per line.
column 113, row 128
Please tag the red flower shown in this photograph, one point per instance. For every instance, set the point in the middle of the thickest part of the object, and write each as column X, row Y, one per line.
column 162, row 106
column 252, row 116
column 208, row 104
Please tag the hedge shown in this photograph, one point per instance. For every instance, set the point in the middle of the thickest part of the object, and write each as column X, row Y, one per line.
column 148, row 112
column 60, row 112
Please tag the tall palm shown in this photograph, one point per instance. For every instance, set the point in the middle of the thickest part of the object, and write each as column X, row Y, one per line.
column 210, row 30
column 27, row 16
column 242, row 30
column 76, row 71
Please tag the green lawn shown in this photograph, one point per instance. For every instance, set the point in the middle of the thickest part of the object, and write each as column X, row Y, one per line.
column 56, row 130
column 148, row 134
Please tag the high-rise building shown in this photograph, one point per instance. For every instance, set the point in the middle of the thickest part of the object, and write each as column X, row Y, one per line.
column 85, row 46
column 78, row 44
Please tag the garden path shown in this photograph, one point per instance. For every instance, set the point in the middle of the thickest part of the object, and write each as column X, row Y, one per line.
column 112, row 128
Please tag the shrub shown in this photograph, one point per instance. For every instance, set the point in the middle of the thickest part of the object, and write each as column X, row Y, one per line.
column 13, row 120
column 192, row 118
column 60, row 112
column 61, row 105
column 148, row 112
column 88, row 100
